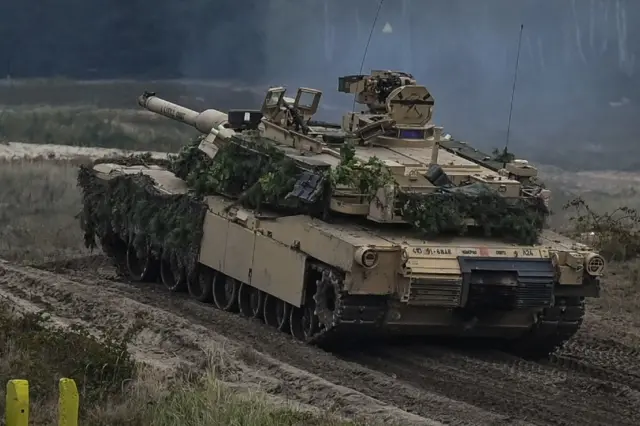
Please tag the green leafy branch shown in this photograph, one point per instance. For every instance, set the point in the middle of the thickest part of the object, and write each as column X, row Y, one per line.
column 615, row 234
column 254, row 172
column 366, row 177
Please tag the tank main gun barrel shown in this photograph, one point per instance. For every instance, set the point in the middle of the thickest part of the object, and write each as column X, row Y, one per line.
column 203, row 121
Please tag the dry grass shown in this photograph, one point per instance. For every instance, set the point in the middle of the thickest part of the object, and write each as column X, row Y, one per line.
column 38, row 204
column 205, row 401
column 117, row 391
column 614, row 315
column 88, row 126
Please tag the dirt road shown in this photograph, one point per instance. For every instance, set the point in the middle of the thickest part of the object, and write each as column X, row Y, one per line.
column 592, row 382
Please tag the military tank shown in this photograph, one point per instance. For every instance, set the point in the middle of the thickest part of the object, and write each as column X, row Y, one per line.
column 380, row 225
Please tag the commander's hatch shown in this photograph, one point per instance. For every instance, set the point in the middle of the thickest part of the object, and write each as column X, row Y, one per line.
column 273, row 103
column 410, row 105
column 307, row 102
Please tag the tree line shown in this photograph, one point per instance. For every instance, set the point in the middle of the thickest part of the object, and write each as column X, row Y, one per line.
column 251, row 39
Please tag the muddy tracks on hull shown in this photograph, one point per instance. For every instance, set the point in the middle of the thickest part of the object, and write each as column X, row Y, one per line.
column 588, row 382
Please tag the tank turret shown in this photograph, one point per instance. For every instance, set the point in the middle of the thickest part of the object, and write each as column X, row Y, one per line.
column 400, row 155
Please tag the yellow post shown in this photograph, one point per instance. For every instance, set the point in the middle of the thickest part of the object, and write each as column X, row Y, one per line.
column 17, row 403
column 68, row 403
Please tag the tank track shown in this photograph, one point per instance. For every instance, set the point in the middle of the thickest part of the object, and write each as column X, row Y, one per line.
column 555, row 326
column 342, row 316
column 330, row 317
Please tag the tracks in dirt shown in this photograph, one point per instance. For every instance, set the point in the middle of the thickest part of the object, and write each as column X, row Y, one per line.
column 588, row 382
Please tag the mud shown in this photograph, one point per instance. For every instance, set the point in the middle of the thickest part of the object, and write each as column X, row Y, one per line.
column 590, row 382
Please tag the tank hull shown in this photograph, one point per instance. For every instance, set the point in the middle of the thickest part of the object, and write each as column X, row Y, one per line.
column 303, row 276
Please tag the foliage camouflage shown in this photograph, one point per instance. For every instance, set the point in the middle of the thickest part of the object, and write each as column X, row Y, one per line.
column 366, row 178
column 259, row 173
column 254, row 174
column 144, row 159
column 131, row 208
column 520, row 219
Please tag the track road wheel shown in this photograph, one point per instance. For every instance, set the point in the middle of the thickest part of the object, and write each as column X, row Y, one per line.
column 304, row 322
column 200, row 287
column 225, row 293
column 116, row 250
column 172, row 275
column 275, row 312
column 257, row 304
column 141, row 268
column 250, row 301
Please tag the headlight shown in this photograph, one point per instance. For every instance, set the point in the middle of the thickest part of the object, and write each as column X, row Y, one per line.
column 366, row 257
column 594, row 264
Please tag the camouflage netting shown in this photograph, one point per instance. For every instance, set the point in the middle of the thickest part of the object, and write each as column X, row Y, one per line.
column 131, row 208
column 447, row 210
column 366, row 178
column 257, row 174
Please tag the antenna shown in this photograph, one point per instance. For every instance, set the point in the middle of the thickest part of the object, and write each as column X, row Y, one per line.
column 513, row 92
column 366, row 48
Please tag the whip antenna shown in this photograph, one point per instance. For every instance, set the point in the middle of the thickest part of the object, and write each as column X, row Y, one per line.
column 513, row 92
column 366, row 48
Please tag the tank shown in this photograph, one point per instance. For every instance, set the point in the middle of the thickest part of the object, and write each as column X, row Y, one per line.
column 381, row 225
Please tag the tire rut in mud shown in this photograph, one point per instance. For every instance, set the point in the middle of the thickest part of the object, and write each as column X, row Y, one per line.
column 522, row 389
column 603, row 359
column 594, row 387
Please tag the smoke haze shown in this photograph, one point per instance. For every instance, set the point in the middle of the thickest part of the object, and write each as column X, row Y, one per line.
column 578, row 92
column 578, row 85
